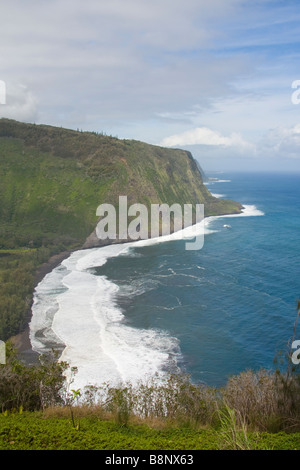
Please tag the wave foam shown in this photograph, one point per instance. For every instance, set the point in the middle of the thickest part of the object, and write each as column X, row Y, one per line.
column 90, row 325
column 76, row 311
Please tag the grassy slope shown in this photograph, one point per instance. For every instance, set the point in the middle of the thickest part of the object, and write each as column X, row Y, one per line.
column 32, row 431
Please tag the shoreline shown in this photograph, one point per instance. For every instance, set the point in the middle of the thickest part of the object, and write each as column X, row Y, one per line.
column 21, row 341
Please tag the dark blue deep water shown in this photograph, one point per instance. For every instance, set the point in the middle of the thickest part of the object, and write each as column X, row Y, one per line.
column 232, row 304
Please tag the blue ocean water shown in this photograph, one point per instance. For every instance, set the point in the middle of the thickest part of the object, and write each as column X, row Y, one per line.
column 232, row 304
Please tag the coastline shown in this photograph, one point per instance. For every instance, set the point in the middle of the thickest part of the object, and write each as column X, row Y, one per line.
column 21, row 341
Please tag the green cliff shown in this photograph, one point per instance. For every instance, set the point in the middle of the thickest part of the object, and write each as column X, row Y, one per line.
column 51, row 182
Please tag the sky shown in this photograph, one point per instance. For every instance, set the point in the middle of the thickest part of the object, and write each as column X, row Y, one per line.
column 218, row 78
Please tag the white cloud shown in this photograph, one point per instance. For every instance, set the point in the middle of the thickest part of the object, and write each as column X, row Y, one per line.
column 20, row 103
column 283, row 142
column 206, row 136
column 116, row 61
column 147, row 70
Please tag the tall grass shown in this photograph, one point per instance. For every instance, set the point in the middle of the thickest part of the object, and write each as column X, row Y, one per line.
column 233, row 432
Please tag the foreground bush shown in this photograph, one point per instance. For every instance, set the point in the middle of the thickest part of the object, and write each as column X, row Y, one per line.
column 250, row 401
column 254, row 397
column 30, row 387
column 174, row 399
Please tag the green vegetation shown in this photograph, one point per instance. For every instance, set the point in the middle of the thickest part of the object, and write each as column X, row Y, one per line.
column 39, row 410
column 17, row 280
column 36, row 431
column 51, row 182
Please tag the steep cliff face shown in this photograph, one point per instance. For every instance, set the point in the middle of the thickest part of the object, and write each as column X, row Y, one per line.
column 52, row 180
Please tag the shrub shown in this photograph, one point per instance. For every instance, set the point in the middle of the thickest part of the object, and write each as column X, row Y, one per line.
column 253, row 396
column 30, row 387
column 263, row 400
column 174, row 399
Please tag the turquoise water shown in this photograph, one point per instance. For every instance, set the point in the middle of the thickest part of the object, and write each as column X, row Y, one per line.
column 232, row 304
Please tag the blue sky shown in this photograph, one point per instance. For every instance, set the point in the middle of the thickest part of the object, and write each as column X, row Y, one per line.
column 212, row 77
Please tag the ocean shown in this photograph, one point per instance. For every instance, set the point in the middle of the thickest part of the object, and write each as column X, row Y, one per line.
column 132, row 312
